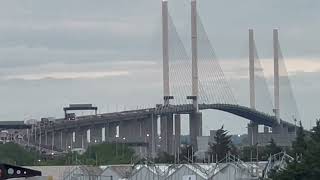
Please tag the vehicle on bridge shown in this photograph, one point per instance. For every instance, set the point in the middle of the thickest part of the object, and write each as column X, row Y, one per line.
column 71, row 116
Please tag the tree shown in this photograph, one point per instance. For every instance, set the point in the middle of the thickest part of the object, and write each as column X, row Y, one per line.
column 308, row 168
column 221, row 146
column 299, row 146
column 272, row 148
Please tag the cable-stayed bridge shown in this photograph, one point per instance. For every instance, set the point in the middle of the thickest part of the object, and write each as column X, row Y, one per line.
column 190, row 85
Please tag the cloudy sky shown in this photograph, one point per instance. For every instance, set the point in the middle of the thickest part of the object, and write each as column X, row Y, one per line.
column 105, row 52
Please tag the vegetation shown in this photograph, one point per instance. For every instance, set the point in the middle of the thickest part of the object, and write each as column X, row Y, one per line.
column 260, row 153
column 101, row 154
column 14, row 154
column 305, row 150
column 221, row 146
column 306, row 165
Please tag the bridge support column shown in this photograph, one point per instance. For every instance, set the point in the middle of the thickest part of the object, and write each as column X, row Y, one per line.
column 154, row 135
column 49, row 138
column 177, row 133
column 68, row 139
column 106, row 132
column 80, row 137
column 129, row 129
column 253, row 131
column 58, row 136
column 195, row 126
column 112, row 131
column 46, row 137
column 95, row 134
column 52, row 140
column 276, row 129
column 166, row 133
column 150, row 134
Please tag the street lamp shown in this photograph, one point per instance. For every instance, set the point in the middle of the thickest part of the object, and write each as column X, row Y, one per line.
column 147, row 141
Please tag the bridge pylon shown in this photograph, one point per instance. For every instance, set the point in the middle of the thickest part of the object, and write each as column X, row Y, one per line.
column 253, row 128
column 166, row 120
column 195, row 118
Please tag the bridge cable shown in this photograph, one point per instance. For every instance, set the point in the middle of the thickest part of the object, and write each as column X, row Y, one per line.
column 262, row 92
column 222, row 84
column 288, row 105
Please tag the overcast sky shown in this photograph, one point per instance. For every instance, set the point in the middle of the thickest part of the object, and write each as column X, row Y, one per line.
column 104, row 52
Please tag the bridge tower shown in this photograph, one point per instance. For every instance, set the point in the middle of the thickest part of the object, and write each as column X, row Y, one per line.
column 276, row 75
column 252, row 127
column 195, row 118
column 166, row 120
column 277, row 128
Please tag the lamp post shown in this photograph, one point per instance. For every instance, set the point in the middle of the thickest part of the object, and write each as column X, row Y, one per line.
column 147, row 141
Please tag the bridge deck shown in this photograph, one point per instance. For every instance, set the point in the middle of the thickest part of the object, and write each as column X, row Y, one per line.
column 242, row 111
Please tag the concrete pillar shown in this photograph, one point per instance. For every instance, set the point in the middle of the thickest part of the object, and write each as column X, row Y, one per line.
column 67, row 135
column 112, row 130
column 177, row 133
column 285, row 130
column 52, row 140
column 68, row 143
column 194, row 46
column 106, row 132
column 276, row 129
column 129, row 130
column 252, row 69
column 166, row 141
column 165, row 52
column 253, row 133
column 170, row 135
column 55, row 139
column 150, row 134
column 80, row 137
column 49, row 139
column 276, row 75
column 163, row 133
column 253, row 128
column 59, row 139
column 46, row 137
column 96, row 134
column 154, row 135
column 195, row 125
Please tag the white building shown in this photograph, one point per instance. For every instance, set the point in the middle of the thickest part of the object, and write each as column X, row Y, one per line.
column 83, row 173
column 145, row 172
column 187, row 172
column 231, row 171
column 116, row 172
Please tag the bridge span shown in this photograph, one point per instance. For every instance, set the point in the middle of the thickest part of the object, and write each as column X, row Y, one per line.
column 137, row 127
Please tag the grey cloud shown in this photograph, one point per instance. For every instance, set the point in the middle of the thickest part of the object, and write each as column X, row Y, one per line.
column 80, row 35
